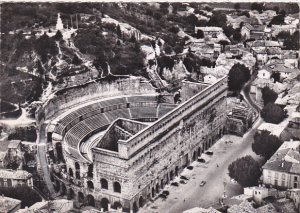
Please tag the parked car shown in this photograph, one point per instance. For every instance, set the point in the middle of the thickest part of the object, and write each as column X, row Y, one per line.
column 162, row 196
column 190, row 167
column 182, row 181
column 165, row 192
column 175, row 184
column 201, row 160
column 183, row 177
column 209, row 153
column 202, row 183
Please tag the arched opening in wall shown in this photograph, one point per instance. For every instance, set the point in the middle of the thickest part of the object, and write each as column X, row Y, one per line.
column 90, row 171
column 104, row 204
column 71, row 194
column 57, row 186
column 141, row 202
column 71, row 174
column 220, row 133
column 162, row 184
column 77, row 168
column 168, row 179
column 199, row 151
column 117, row 205
column 80, row 197
column 157, row 188
column 171, row 175
column 49, row 137
column 59, row 152
column 117, row 187
column 223, row 130
column 63, row 189
column 90, row 184
column 176, row 171
column 104, row 183
column 194, row 155
column 52, row 177
column 153, row 192
column 90, row 201
column 135, row 207
column 9, row 183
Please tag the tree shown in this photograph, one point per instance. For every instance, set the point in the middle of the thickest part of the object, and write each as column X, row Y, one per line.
column 58, row 36
column 276, row 76
column 277, row 20
column 228, row 31
column 238, row 75
column 76, row 60
column 265, row 144
column 24, row 193
column 246, row 171
column 218, row 19
column 272, row 113
column 174, row 29
column 258, row 7
column 119, row 32
column 237, row 35
column 168, row 49
column 268, row 95
column 200, row 34
column 178, row 49
column 237, row 6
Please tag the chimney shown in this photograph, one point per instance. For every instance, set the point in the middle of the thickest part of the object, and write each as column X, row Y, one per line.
column 282, row 164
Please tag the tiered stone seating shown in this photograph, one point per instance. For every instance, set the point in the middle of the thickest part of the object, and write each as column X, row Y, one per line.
column 142, row 99
column 164, row 109
column 143, row 112
column 96, row 121
column 111, row 102
column 118, row 113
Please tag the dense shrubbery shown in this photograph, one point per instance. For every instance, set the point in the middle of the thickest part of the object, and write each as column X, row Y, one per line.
column 272, row 113
column 268, row 95
column 24, row 193
column 265, row 144
column 238, row 75
column 245, row 170
column 24, row 134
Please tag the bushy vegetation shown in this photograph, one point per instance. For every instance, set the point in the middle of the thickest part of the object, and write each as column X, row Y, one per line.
column 24, row 134
column 265, row 144
column 245, row 170
column 268, row 95
column 24, row 193
column 238, row 75
column 272, row 113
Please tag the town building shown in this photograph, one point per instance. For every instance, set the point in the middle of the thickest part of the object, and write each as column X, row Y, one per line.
column 58, row 205
column 239, row 120
column 259, row 193
column 9, row 205
column 13, row 178
column 282, row 170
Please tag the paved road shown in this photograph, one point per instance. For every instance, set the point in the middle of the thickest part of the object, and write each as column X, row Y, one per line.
column 41, row 153
column 215, row 173
column 191, row 194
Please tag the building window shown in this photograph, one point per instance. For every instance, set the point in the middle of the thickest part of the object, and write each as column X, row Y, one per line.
column 295, row 178
column 104, row 183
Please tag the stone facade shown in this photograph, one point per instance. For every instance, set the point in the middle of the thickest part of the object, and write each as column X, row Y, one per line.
column 148, row 160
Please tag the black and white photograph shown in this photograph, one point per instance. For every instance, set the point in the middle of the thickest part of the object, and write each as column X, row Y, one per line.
column 149, row 107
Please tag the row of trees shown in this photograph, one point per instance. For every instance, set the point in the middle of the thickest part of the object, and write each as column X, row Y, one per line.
column 247, row 171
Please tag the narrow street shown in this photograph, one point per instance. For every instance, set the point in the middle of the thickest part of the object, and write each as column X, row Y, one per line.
column 41, row 153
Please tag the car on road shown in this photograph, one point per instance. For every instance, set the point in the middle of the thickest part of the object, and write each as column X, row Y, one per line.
column 183, row 177
column 182, row 181
column 202, row 183
column 209, row 153
column 165, row 192
column 175, row 184
column 201, row 160
column 190, row 167
column 162, row 196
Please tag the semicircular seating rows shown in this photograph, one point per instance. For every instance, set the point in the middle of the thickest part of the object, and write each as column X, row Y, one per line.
column 83, row 122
